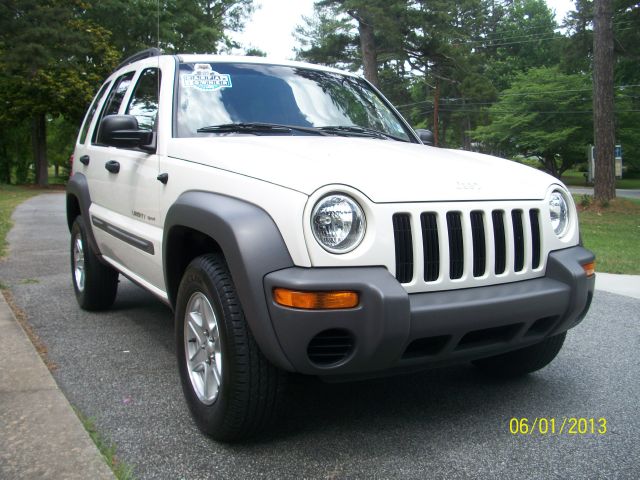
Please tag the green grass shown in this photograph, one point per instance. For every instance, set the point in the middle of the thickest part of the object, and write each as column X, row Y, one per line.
column 10, row 197
column 576, row 179
column 107, row 449
column 613, row 233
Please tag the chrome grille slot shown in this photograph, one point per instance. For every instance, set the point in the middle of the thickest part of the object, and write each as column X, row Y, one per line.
column 456, row 245
column 404, row 247
column 518, row 240
column 534, row 216
column 500, row 245
column 479, row 248
column 430, row 246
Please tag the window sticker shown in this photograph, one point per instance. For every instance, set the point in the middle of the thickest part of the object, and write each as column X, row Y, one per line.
column 205, row 78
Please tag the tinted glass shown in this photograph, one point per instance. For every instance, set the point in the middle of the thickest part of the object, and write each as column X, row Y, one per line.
column 144, row 101
column 112, row 105
column 215, row 94
column 91, row 113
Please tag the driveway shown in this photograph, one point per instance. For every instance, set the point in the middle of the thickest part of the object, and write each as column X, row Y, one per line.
column 119, row 368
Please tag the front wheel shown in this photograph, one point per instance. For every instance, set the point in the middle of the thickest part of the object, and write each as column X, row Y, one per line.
column 232, row 391
column 523, row 361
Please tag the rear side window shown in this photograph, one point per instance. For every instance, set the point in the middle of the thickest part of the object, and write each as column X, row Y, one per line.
column 112, row 105
column 82, row 138
column 144, row 100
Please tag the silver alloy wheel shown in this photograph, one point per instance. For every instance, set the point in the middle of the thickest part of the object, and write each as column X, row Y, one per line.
column 202, row 348
column 78, row 262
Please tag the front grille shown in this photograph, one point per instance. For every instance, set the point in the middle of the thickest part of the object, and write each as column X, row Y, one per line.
column 482, row 246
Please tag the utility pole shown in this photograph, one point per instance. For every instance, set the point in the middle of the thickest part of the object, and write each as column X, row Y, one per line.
column 436, row 107
column 603, row 103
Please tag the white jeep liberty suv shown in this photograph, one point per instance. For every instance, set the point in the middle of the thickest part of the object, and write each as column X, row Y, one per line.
column 295, row 222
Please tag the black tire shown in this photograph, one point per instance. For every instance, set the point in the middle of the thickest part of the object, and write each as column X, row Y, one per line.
column 97, row 287
column 523, row 361
column 245, row 399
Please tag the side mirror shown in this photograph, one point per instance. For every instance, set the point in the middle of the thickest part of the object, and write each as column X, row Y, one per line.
column 122, row 131
column 425, row 136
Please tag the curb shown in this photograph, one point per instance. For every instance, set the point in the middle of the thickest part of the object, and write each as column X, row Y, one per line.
column 41, row 435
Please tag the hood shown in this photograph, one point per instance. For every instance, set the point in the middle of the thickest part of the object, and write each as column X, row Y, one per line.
column 386, row 171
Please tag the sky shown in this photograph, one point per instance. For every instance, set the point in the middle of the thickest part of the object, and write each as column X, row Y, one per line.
column 271, row 26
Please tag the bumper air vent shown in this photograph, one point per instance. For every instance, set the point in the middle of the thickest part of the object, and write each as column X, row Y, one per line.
column 330, row 347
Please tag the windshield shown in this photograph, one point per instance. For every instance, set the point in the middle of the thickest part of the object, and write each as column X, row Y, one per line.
column 214, row 94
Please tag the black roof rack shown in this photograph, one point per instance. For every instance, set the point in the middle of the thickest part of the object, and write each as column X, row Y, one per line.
column 149, row 52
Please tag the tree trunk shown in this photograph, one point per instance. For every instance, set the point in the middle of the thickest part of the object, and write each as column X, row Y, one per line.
column 369, row 53
column 39, row 144
column 5, row 165
column 603, row 116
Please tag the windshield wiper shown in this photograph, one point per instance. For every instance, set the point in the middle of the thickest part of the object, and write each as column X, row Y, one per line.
column 256, row 127
column 354, row 131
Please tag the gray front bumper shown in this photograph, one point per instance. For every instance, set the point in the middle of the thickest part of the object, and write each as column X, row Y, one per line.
column 393, row 329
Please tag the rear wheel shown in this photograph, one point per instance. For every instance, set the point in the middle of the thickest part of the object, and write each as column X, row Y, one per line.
column 523, row 361
column 95, row 284
column 231, row 389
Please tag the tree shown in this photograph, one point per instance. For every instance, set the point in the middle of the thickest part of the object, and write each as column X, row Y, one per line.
column 183, row 25
column 603, row 102
column 545, row 115
column 51, row 61
column 55, row 53
column 375, row 26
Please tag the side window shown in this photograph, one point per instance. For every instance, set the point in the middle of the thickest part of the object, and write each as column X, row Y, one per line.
column 112, row 105
column 144, row 100
column 82, row 138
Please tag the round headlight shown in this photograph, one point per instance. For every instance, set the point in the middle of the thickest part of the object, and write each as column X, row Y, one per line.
column 338, row 223
column 559, row 213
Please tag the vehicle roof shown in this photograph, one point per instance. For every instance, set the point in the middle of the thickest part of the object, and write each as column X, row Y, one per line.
column 193, row 58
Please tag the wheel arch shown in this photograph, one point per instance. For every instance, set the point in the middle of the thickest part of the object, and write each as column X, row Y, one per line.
column 248, row 238
column 78, row 203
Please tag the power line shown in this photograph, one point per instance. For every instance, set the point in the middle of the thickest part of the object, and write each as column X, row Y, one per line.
column 504, row 38
column 520, row 94
column 506, row 112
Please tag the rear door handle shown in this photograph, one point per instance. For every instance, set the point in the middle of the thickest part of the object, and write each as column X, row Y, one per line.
column 112, row 166
column 84, row 159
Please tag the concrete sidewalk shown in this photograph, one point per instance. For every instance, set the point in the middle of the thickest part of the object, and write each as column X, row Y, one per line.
column 628, row 285
column 40, row 435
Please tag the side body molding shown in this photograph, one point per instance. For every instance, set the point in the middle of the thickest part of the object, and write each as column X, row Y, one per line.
column 252, row 246
column 79, row 188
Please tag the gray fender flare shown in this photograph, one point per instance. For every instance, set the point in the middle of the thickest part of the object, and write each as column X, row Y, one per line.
column 252, row 246
column 78, row 187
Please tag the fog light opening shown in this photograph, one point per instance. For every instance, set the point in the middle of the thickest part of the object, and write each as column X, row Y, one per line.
column 315, row 300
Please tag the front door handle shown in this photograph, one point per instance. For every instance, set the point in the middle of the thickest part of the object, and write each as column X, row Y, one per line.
column 112, row 166
column 84, row 159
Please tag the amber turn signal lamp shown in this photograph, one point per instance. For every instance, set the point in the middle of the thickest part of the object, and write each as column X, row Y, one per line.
column 589, row 268
column 315, row 300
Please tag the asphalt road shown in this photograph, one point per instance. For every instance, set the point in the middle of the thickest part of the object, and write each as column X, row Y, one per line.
column 620, row 192
column 119, row 368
